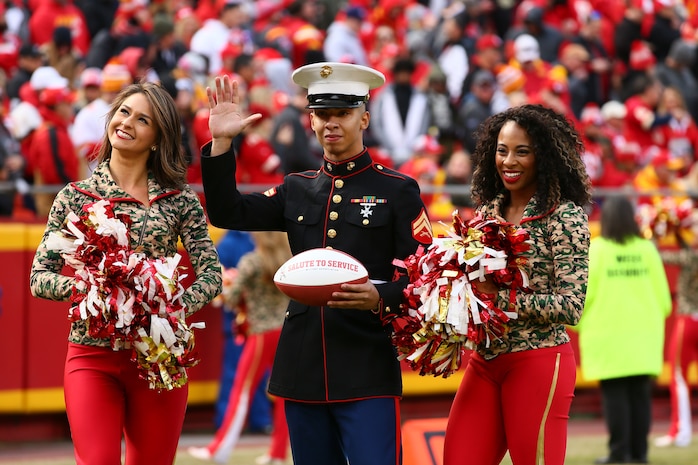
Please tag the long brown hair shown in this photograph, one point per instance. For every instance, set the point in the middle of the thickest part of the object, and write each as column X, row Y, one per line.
column 273, row 248
column 167, row 163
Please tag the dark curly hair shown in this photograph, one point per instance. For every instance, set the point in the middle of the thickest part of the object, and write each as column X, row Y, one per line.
column 560, row 171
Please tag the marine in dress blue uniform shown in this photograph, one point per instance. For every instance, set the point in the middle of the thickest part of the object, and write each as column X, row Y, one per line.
column 336, row 367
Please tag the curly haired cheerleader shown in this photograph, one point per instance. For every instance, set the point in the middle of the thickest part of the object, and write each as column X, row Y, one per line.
column 516, row 394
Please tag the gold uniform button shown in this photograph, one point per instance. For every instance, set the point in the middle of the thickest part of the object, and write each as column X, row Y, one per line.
column 300, row 218
column 334, row 216
column 351, row 165
column 365, row 222
column 336, row 198
column 338, row 183
column 331, row 233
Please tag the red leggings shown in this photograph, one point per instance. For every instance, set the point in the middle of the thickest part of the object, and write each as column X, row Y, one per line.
column 256, row 358
column 518, row 402
column 683, row 349
column 105, row 400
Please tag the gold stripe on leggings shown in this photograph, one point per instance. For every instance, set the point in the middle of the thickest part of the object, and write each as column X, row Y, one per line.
column 540, row 449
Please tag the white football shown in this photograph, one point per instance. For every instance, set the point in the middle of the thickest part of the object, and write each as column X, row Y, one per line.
column 311, row 277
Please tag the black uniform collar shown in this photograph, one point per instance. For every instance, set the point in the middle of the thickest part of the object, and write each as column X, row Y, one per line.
column 347, row 167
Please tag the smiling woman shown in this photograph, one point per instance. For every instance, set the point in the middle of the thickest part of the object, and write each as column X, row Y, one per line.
column 528, row 171
column 140, row 182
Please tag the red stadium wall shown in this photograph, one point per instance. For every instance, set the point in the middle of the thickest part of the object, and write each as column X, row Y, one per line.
column 33, row 334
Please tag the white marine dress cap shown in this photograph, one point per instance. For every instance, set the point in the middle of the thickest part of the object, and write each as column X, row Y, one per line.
column 337, row 85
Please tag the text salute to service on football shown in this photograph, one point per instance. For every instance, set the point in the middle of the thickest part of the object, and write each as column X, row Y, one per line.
column 335, row 365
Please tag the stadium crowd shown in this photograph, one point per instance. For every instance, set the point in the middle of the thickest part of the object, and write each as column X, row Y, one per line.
column 623, row 71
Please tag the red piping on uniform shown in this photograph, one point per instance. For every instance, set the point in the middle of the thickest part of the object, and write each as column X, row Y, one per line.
column 537, row 217
column 123, row 199
column 398, row 432
column 322, row 308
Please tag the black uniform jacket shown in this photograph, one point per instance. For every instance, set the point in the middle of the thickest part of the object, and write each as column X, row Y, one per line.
column 357, row 206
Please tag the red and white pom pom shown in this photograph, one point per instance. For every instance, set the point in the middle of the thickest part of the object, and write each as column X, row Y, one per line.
column 446, row 313
column 126, row 296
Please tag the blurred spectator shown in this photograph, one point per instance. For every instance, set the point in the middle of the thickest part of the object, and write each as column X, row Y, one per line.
column 421, row 21
column 683, row 341
column 549, row 38
column 441, row 111
column 423, row 166
column 50, row 14
column 268, row 27
column 43, row 77
column 301, row 24
column 30, row 58
column 10, row 44
column 590, row 123
column 554, row 93
column 257, row 163
column 193, row 66
column 273, row 69
column 563, row 17
column 488, row 55
column 61, row 55
column 382, row 49
column 89, row 86
column 399, row 115
column 477, row 107
column 99, row 14
column 229, row 56
column 343, row 43
column 534, row 70
column 181, row 89
column 629, row 31
column 660, row 179
column 665, row 29
column 511, row 80
column 680, row 135
column 88, row 127
column 138, row 63
column 600, row 64
column 12, row 165
column 676, row 71
column 168, row 49
column 257, row 302
column 292, row 138
column 575, row 59
column 23, row 120
column 186, row 23
column 621, row 332
column 452, row 57
column 626, row 154
column 244, row 69
column 132, row 26
column 209, row 9
column 459, row 172
column 232, row 246
column 642, row 117
column 52, row 153
column 231, row 26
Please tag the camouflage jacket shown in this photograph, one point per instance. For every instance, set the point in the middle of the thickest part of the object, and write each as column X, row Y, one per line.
column 557, row 267
column 687, row 282
column 155, row 230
